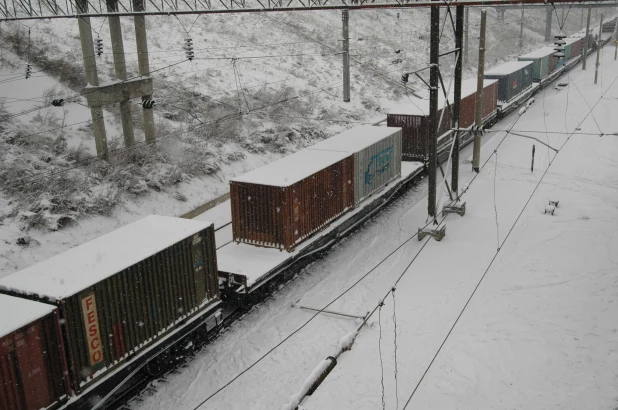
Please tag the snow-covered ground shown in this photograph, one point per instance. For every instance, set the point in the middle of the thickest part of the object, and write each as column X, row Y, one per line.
column 540, row 331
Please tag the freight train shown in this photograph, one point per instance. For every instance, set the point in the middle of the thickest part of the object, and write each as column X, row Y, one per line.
column 90, row 323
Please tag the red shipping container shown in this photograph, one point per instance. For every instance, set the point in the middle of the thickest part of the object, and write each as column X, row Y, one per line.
column 286, row 201
column 33, row 371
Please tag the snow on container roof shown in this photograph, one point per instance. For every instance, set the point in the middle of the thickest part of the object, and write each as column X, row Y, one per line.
column 540, row 53
column 17, row 313
column 421, row 107
column 355, row 139
column 508, row 68
column 571, row 40
column 85, row 265
column 293, row 168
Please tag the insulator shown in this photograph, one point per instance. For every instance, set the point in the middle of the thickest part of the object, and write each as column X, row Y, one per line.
column 28, row 70
column 404, row 78
column 148, row 104
column 58, row 103
column 98, row 46
column 189, row 48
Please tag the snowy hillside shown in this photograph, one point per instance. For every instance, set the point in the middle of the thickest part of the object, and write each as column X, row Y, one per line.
column 261, row 86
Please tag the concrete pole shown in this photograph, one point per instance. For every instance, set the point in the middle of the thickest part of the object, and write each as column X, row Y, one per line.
column 144, row 66
column 596, row 67
column 115, row 31
column 434, row 78
column 587, row 39
column 616, row 40
column 466, row 23
column 478, row 110
column 345, row 17
column 90, row 68
column 459, row 17
column 521, row 28
column 548, row 18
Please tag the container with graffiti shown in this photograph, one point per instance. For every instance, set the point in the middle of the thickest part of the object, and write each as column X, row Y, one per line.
column 377, row 156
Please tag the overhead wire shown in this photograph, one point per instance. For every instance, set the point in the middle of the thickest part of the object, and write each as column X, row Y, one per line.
column 496, row 255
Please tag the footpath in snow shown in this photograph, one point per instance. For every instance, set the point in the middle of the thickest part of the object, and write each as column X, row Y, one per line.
column 540, row 331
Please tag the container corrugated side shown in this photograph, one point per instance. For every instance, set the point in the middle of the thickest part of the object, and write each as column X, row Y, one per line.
column 282, row 217
column 125, row 313
column 32, row 369
column 537, row 63
column 376, row 166
column 490, row 99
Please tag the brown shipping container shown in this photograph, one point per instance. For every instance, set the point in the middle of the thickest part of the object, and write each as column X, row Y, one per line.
column 118, row 293
column 490, row 97
column 32, row 363
column 286, row 201
column 415, row 132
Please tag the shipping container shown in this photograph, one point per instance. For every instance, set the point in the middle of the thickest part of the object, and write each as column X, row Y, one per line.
column 572, row 48
column 414, row 118
column 33, row 372
column 286, row 201
column 120, row 292
column 540, row 62
column 513, row 78
column 377, row 156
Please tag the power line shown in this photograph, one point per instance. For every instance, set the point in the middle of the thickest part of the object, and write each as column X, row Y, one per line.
column 139, row 145
column 495, row 255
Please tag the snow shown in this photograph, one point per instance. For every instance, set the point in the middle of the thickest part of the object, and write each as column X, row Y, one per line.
column 539, row 333
column 508, row 68
column 254, row 262
column 540, row 53
column 18, row 313
column 292, row 169
column 75, row 270
column 355, row 139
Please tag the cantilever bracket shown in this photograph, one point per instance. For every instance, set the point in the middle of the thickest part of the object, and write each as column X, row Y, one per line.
column 436, row 234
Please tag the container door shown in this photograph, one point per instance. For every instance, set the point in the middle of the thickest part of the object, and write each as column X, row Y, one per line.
column 199, row 270
column 33, row 368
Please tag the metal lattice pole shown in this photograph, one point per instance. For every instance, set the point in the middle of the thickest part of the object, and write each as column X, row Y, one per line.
column 459, row 17
column 433, row 107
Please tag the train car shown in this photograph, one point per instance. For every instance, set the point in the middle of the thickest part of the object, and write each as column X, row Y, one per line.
column 285, row 202
column 572, row 48
column 514, row 78
column 414, row 118
column 33, row 372
column 543, row 63
column 119, row 293
column 377, row 156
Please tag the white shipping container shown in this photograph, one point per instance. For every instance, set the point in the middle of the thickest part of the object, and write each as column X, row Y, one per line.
column 377, row 156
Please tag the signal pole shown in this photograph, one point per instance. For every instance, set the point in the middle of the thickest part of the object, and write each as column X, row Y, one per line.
column 345, row 16
column 587, row 39
column 478, row 119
